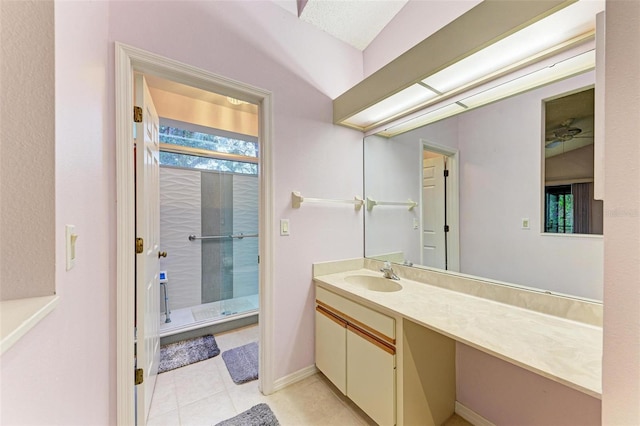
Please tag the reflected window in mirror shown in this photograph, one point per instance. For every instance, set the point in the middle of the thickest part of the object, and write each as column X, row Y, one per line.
column 570, row 207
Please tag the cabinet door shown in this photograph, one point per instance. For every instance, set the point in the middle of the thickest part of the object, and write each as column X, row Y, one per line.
column 371, row 376
column 331, row 348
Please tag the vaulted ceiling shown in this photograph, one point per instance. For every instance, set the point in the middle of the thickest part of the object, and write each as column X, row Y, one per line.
column 356, row 22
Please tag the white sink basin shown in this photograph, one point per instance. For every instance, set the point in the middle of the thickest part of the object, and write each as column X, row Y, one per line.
column 369, row 282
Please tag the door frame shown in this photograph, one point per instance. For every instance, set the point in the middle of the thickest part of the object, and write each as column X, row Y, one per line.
column 128, row 60
column 453, row 200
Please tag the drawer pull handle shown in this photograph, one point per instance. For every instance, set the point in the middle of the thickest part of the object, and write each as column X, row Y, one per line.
column 356, row 323
column 331, row 316
column 371, row 339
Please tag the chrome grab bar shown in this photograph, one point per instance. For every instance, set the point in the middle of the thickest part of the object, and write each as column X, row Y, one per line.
column 222, row 237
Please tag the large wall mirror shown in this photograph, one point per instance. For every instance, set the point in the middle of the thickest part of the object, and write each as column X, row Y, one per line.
column 486, row 186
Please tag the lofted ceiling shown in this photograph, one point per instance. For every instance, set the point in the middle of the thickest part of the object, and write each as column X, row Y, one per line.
column 356, row 22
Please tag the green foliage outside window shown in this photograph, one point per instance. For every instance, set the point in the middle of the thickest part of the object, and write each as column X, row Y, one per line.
column 209, row 142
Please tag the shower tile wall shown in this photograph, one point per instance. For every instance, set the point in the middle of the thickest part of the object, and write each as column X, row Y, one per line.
column 217, row 219
column 180, row 216
column 245, row 220
column 208, row 203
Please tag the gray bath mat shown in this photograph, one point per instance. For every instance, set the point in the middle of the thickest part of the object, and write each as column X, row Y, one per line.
column 186, row 352
column 258, row 415
column 242, row 363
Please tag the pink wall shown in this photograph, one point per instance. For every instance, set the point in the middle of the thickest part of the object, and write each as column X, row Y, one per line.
column 509, row 395
column 63, row 371
column 415, row 22
column 621, row 367
column 262, row 44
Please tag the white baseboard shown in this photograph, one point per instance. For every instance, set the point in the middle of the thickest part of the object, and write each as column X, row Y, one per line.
column 292, row 378
column 471, row 416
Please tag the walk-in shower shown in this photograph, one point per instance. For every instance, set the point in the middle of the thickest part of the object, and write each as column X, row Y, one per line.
column 208, row 227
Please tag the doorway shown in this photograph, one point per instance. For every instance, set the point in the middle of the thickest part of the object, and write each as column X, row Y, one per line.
column 439, row 237
column 209, row 198
column 130, row 60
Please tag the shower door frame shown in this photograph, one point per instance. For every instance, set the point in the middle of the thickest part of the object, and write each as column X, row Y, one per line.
column 128, row 60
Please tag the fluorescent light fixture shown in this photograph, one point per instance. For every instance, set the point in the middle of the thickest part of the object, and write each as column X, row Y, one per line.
column 567, row 68
column 568, row 23
column 536, row 77
column 405, row 99
column 424, row 119
column 556, row 34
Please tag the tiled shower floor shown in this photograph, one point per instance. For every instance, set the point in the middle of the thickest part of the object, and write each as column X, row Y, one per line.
column 184, row 318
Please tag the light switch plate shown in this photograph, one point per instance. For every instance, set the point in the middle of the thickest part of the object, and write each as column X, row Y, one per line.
column 525, row 223
column 285, row 231
column 70, row 238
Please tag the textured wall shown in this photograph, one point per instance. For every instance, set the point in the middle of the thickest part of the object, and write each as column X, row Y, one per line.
column 180, row 216
column 63, row 371
column 27, row 184
column 189, row 199
column 621, row 369
column 245, row 220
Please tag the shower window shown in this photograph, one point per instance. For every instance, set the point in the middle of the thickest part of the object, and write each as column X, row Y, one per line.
column 206, row 163
column 210, row 142
column 199, row 150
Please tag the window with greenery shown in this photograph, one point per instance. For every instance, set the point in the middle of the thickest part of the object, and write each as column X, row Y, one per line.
column 558, row 209
column 570, row 206
column 212, row 152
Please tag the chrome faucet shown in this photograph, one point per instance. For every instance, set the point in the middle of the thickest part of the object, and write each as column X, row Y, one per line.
column 387, row 271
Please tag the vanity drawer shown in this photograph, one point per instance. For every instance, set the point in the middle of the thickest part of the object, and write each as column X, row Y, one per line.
column 374, row 322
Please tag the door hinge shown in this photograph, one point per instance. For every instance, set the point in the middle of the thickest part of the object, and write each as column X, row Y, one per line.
column 446, row 228
column 258, row 258
column 139, row 245
column 139, row 376
column 446, row 173
column 137, row 114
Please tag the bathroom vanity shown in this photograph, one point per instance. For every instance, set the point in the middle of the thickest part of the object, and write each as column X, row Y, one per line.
column 389, row 345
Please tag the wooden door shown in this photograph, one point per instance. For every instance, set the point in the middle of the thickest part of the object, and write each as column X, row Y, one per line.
column 433, row 216
column 147, row 261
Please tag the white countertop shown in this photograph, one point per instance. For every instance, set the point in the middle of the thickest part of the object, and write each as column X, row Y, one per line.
column 566, row 351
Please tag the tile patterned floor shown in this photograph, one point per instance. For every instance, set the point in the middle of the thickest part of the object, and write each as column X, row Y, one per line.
column 204, row 394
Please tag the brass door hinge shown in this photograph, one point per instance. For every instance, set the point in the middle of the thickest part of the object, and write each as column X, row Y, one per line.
column 139, row 376
column 137, row 114
column 139, row 245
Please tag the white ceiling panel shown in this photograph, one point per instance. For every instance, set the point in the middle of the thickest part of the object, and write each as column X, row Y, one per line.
column 356, row 22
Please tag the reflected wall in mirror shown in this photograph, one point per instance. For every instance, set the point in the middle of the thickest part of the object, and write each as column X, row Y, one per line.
column 499, row 170
column 569, row 204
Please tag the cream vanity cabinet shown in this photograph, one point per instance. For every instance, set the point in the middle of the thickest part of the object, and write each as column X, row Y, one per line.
column 355, row 349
